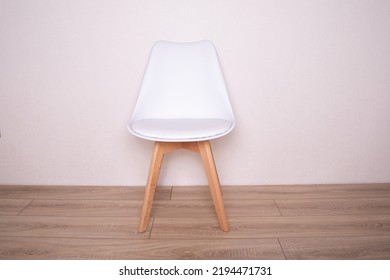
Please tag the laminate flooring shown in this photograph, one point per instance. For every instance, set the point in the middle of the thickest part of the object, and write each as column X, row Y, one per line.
column 267, row 222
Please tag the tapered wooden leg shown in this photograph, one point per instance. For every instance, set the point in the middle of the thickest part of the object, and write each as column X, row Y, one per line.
column 154, row 172
column 215, row 187
column 202, row 147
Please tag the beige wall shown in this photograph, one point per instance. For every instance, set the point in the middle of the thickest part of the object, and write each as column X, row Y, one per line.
column 309, row 82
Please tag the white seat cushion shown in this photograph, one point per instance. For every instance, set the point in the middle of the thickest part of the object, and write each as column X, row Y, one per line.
column 180, row 129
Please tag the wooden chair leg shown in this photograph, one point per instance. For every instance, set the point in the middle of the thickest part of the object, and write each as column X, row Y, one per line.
column 202, row 147
column 154, row 172
column 215, row 187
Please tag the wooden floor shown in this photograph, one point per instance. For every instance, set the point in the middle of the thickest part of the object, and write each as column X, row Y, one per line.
column 267, row 222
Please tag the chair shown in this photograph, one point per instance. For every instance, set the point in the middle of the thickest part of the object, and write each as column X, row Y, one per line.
column 182, row 104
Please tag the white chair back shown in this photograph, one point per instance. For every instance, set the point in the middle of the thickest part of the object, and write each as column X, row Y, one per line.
column 183, row 80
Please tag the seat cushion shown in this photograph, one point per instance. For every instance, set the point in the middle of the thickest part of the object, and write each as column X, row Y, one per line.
column 180, row 130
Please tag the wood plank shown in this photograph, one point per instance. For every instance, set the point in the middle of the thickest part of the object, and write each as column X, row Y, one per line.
column 80, row 192
column 31, row 248
column 161, row 208
column 83, row 208
column 334, row 206
column 273, row 227
column 205, row 208
column 318, row 222
column 284, row 191
column 13, row 206
column 72, row 227
column 337, row 248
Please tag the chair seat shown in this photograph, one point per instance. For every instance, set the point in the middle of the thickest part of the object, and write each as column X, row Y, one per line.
column 180, row 130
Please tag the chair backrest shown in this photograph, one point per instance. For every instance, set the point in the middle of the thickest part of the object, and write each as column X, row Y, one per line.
column 183, row 80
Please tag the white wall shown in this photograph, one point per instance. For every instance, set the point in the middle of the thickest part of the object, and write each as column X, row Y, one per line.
column 309, row 82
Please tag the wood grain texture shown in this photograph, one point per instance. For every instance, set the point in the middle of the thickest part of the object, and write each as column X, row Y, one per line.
column 91, row 227
column 337, row 248
column 161, row 208
column 154, row 171
column 214, row 185
column 275, row 227
column 285, row 191
column 80, row 192
column 205, row 209
column 334, row 206
column 267, row 222
column 120, row 249
column 13, row 206
column 83, row 208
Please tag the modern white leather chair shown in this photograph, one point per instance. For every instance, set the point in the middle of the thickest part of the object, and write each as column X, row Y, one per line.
column 182, row 104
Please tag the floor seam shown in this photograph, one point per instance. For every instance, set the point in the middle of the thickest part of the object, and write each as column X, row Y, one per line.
column 24, row 208
column 277, row 207
column 281, row 247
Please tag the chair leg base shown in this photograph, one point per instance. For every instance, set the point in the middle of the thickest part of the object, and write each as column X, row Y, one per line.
column 204, row 149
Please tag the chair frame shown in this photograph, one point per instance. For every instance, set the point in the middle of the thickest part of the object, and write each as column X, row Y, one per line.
column 174, row 71
column 205, row 151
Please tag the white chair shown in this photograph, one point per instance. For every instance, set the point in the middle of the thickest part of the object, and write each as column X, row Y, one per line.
column 182, row 104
